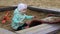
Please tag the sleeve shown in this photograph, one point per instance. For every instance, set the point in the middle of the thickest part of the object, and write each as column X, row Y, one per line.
column 29, row 17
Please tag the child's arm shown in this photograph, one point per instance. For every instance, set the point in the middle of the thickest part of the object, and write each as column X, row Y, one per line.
column 29, row 17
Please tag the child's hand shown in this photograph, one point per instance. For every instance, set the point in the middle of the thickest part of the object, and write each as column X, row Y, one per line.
column 35, row 17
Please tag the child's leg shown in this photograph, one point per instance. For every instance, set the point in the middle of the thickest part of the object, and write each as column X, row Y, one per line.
column 25, row 26
column 21, row 27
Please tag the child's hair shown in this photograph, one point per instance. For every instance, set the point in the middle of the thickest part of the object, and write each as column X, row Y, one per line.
column 35, row 23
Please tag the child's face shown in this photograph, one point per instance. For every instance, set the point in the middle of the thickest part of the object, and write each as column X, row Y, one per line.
column 24, row 10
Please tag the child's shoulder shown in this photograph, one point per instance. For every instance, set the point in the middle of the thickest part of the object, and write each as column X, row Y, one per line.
column 16, row 11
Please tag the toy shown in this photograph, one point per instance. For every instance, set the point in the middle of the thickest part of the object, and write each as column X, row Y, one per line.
column 6, row 17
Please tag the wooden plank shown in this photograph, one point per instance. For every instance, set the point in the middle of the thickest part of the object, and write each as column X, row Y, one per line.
column 4, row 31
column 45, row 10
column 33, row 8
column 40, row 29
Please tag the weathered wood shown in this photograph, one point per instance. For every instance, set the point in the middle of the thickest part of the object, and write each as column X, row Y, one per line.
column 4, row 31
column 45, row 10
column 40, row 29
column 33, row 8
column 7, row 8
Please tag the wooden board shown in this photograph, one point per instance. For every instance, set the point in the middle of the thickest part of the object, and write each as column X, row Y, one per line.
column 40, row 29
column 4, row 31
column 33, row 8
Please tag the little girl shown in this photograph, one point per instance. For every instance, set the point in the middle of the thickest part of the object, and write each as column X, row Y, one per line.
column 19, row 16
